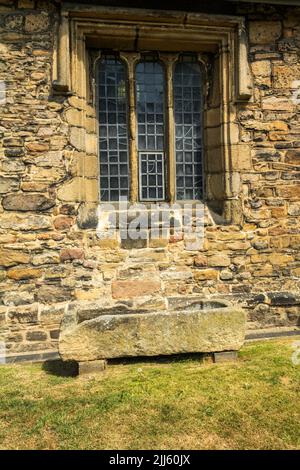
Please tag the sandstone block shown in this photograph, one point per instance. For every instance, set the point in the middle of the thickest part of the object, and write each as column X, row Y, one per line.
column 292, row 157
column 261, row 68
column 129, row 243
column 19, row 297
column 152, row 333
column 27, row 202
column 12, row 142
column 241, row 157
column 219, row 260
column 277, row 135
column 296, row 272
column 14, row 22
column 8, row 184
column 12, row 166
column 47, row 175
column 289, row 192
column 34, row 186
column 76, row 102
column 35, row 23
column 63, row 222
column 158, row 242
column 274, row 103
column 23, row 314
column 226, row 275
column 294, row 209
column 37, row 147
column 134, row 288
column 71, row 191
column 19, row 274
column 108, row 243
column 70, row 254
column 205, row 275
column 77, row 138
column 200, row 261
column 45, row 131
column 280, row 259
column 54, row 334
column 89, row 294
column 238, row 245
column 278, row 212
column 91, row 144
column 74, row 117
column 53, row 158
column 12, row 257
column 45, row 258
column 262, row 72
column 84, row 165
column 295, row 242
column 264, row 32
column 26, row 4
column 52, row 314
column 22, row 222
column 36, row 336
column 37, row 76
column 285, row 75
column 260, row 244
column 47, row 293
column 266, row 126
column 14, row 152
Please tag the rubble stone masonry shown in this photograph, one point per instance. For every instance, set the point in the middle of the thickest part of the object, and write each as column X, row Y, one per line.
column 49, row 262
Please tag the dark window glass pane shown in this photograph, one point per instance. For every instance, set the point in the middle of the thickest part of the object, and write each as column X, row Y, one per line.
column 113, row 129
column 104, row 170
column 104, row 195
column 114, row 195
column 152, row 193
column 123, row 182
column 187, row 81
column 104, row 182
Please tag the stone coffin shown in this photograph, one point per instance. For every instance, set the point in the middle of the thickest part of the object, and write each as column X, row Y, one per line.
column 186, row 326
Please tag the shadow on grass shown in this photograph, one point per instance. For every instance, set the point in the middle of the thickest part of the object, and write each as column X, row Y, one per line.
column 161, row 359
column 61, row 368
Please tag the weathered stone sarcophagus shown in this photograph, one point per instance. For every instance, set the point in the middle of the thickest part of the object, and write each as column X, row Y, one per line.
column 187, row 325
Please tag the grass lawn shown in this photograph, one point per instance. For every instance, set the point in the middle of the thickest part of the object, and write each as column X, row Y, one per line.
column 251, row 404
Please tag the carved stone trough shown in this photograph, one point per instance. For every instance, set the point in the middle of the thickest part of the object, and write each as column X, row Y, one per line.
column 187, row 325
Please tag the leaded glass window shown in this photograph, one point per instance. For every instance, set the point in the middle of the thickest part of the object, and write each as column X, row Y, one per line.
column 150, row 115
column 113, row 129
column 150, row 120
column 187, row 94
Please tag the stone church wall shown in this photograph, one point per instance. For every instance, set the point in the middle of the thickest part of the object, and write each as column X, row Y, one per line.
column 50, row 261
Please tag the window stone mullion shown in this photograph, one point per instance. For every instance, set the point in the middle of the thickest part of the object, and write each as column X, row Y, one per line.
column 169, row 60
column 131, row 60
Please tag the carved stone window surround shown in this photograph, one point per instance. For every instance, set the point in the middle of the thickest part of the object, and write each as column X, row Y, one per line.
column 132, row 29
